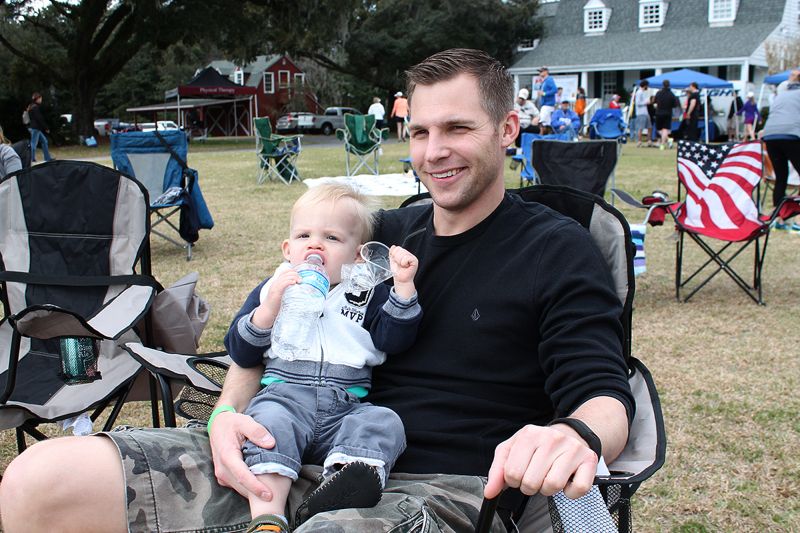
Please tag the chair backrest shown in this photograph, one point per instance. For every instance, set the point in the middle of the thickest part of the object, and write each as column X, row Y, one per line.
column 583, row 165
column 71, row 219
column 23, row 149
column 359, row 128
column 526, row 143
column 607, row 124
column 719, row 182
column 152, row 161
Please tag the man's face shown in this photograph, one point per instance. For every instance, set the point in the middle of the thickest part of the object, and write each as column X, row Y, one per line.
column 456, row 148
column 543, row 74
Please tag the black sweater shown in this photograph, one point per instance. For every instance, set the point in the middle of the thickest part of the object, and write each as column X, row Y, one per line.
column 521, row 324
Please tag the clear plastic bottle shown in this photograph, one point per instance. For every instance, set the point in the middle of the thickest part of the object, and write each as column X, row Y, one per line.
column 295, row 328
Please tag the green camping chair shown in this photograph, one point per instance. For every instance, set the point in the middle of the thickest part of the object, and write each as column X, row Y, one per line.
column 277, row 154
column 361, row 139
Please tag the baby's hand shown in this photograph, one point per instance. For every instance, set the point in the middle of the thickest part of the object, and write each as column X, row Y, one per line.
column 265, row 314
column 404, row 266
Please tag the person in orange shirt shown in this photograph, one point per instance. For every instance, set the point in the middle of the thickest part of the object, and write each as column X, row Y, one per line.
column 580, row 105
column 400, row 114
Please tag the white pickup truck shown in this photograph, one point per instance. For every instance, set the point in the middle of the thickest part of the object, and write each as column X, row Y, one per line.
column 327, row 123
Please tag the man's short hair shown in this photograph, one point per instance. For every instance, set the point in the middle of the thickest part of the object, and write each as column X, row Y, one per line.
column 494, row 82
column 364, row 206
column 665, row 84
column 644, row 83
column 694, row 84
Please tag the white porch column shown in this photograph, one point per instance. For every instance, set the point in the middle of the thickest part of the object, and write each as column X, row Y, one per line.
column 585, row 81
column 744, row 75
column 659, row 71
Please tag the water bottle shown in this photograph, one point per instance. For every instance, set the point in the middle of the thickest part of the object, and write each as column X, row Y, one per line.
column 295, row 329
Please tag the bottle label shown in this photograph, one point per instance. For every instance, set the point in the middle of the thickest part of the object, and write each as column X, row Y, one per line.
column 315, row 279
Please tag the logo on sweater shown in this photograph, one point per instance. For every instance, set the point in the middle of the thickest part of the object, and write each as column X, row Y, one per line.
column 475, row 315
column 359, row 299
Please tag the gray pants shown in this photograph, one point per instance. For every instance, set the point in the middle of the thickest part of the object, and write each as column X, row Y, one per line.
column 322, row 425
column 170, row 487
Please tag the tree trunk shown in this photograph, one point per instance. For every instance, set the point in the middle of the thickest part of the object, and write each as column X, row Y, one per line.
column 83, row 94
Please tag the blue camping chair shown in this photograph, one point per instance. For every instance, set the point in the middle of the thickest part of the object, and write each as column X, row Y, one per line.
column 608, row 124
column 158, row 161
column 527, row 176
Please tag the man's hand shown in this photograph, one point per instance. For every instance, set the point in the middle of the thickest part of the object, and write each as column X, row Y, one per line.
column 543, row 460
column 228, row 433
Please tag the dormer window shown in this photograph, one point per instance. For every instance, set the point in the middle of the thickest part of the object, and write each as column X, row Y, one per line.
column 595, row 16
column 238, row 76
column 722, row 12
column 652, row 14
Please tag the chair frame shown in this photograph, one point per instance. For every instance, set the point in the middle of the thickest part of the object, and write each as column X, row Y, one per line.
column 362, row 156
column 287, row 150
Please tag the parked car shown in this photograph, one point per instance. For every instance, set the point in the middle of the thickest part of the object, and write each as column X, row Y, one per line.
column 161, row 125
column 103, row 126
column 326, row 123
column 295, row 121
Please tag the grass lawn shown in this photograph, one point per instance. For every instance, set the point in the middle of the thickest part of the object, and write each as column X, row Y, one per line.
column 727, row 369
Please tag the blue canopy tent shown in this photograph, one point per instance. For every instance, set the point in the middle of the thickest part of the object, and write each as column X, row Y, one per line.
column 775, row 79
column 680, row 79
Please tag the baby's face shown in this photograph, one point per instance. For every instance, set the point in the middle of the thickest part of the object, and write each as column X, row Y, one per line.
column 331, row 230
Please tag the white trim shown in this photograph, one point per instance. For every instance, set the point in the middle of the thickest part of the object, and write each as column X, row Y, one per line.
column 301, row 76
column 284, row 84
column 595, row 17
column 594, row 67
column 271, row 82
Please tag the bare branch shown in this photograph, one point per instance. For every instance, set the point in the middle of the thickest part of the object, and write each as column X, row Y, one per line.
column 31, row 59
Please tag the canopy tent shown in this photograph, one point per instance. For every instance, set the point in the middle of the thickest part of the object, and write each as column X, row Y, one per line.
column 222, row 116
column 681, row 79
column 775, row 79
column 208, row 83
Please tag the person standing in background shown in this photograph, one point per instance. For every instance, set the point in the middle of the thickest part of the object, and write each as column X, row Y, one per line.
column 665, row 101
column 400, row 114
column 751, row 115
column 548, row 94
column 692, row 114
column 377, row 110
column 642, row 122
column 580, row 104
column 38, row 127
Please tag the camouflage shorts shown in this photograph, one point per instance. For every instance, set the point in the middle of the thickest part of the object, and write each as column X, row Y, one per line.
column 171, row 486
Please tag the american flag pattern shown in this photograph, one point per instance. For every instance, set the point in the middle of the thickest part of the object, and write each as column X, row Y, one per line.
column 719, row 182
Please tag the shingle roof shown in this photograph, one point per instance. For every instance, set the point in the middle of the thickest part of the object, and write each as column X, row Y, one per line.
column 685, row 34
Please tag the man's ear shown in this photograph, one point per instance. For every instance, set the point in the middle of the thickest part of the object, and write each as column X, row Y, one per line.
column 509, row 129
column 285, row 249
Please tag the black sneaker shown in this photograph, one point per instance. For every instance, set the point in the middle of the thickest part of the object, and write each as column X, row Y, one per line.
column 356, row 485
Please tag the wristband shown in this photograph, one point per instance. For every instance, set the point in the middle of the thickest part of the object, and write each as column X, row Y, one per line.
column 584, row 432
column 215, row 412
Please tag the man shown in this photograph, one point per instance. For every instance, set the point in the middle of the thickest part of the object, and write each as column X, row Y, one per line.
column 642, row 122
column 498, row 356
column 566, row 121
column 528, row 115
column 38, row 128
column 548, row 94
column 692, row 112
column 665, row 101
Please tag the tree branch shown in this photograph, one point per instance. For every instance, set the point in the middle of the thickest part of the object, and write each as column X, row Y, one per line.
column 49, row 30
column 31, row 59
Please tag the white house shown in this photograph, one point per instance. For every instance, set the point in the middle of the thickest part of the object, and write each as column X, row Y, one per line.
column 606, row 45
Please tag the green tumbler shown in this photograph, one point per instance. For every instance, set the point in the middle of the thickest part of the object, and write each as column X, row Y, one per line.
column 79, row 360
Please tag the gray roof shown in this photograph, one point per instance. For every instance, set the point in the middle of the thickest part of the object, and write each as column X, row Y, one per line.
column 685, row 34
column 252, row 70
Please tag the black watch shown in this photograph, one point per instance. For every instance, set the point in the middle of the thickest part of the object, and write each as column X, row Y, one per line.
column 584, row 432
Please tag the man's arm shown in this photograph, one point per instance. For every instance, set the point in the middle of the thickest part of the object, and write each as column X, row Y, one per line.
column 546, row 460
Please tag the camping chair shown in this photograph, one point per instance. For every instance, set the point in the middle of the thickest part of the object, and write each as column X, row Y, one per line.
column 158, row 161
column 76, row 280
column 23, row 149
column 361, row 139
column 608, row 124
column 586, row 166
column 645, row 451
column 277, row 154
column 720, row 183
column 527, row 175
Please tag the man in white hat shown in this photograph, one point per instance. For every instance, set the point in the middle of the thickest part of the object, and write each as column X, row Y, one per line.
column 528, row 115
column 400, row 115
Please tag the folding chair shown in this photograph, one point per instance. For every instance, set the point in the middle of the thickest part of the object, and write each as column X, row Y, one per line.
column 586, row 165
column 720, row 183
column 527, row 175
column 277, row 154
column 75, row 281
column 361, row 139
column 645, row 450
column 23, row 149
column 158, row 161
column 608, row 124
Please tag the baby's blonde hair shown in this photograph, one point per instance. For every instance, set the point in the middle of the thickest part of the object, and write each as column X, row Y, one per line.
column 364, row 206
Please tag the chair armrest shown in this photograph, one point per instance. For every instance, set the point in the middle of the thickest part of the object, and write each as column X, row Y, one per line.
column 177, row 366
column 47, row 321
